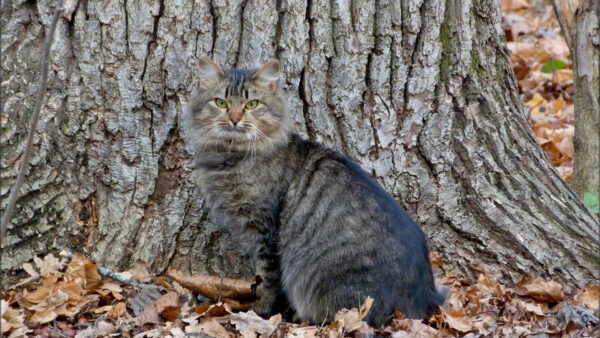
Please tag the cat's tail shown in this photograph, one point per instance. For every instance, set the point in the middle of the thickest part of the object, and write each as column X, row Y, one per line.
column 438, row 296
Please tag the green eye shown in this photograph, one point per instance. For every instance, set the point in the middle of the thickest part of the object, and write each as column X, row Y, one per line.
column 221, row 103
column 251, row 104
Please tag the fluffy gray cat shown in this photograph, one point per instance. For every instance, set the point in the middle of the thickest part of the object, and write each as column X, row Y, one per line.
column 322, row 233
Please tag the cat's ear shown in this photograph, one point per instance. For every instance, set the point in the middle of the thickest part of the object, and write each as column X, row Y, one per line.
column 268, row 75
column 209, row 72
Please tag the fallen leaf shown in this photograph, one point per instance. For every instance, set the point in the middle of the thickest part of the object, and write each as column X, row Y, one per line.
column 408, row 328
column 54, row 298
column 209, row 286
column 171, row 313
column 139, row 272
column 214, row 310
column 118, row 310
column 457, row 320
column 151, row 313
column 83, row 272
column 529, row 307
column 303, row 331
column 209, row 327
column 588, row 297
column 20, row 332
column 110, row 285
column 539, row 289
column 11, row 319
column 251, row 325
column 351, row 319
column 485, row 323
column 48, row 265
column 105, row 328
column 511, row 5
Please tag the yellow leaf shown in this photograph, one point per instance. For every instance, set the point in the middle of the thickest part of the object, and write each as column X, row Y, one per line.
column 558, row 103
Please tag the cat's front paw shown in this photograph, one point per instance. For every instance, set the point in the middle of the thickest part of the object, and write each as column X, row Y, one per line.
column 266, row 300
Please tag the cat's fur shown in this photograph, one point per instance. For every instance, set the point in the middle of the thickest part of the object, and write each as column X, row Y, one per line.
column 320, row 230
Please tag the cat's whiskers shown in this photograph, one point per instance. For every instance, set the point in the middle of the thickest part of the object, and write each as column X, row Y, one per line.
column 205, row 138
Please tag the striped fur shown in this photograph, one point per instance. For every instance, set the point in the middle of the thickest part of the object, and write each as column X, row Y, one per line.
column 319, row 229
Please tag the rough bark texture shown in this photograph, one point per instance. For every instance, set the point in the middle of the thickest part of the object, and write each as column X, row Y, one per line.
column 420, row 92
column 586, row 80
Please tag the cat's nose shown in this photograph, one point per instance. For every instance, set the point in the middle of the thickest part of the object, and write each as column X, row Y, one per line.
column 234, row 120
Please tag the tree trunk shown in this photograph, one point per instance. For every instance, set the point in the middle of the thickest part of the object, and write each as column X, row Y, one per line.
column 420, row 92
column 586, row 81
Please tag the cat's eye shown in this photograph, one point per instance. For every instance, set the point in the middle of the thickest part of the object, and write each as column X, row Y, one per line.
column 251, row 104
column 221, row 103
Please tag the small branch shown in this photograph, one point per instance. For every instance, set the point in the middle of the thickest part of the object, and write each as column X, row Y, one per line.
column 566, row 29
column 117, row 276
column 33, row 123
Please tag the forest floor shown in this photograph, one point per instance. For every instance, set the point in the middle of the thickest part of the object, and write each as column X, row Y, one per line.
column 544, row 70
column 66, row 297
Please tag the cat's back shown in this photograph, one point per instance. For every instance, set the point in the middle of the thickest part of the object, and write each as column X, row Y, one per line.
column 343, row 237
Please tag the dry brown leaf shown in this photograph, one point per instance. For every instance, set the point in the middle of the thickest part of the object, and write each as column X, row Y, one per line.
column 529, row 307
column 351, row 319
column 43, row 317
column 73, row 290
column 457, row 320
column 539, row 289
column 565, row 146
column 250, row 325
column 171, row 313
column 151, row 313
column 110, row 285
column 104, row 328
column 556, row 48
column 512, row 5
column 408, row 328
column 208, row 286
column 485, row 323
column 49, row 264
column 118, row 310
column 588, row 297
column 303, row 331
column 83, row 272
column 20, row 332
column 31, row 271
column 41, row 293
column 102, row 309
column 515, row 25
column 522, row 51
column 214, row 310
column 209, row 327
column 236, row 305
column 11, row 318
column 558, row 104
column 139, row 272
column 55, row 298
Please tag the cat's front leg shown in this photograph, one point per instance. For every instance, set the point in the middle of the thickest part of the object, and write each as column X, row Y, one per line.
column 271, row 297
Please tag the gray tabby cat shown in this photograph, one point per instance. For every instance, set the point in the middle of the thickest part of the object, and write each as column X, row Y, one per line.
column 320, row 230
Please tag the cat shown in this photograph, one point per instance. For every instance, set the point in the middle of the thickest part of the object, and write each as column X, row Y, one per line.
column 322, row 232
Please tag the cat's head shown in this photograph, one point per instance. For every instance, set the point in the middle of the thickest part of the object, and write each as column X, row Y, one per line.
column 237, row 109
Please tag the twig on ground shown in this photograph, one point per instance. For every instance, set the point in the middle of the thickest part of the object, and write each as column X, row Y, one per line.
column 563, row 21
column 119, row 277
column 33, row 123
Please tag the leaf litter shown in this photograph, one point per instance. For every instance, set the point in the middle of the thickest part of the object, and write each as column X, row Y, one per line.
column 73, row 300
column 544, row 70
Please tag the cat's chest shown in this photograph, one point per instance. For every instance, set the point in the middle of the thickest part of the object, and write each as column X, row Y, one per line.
column 233, row 191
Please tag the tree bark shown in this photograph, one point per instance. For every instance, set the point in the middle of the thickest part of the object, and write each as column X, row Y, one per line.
column 586, row 81
column 420, row 92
